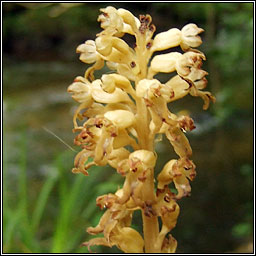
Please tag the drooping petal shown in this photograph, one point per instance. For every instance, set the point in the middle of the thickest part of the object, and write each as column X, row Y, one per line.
column 164, row 177
column 97, row 241
column 179, row 142
column 128, row 240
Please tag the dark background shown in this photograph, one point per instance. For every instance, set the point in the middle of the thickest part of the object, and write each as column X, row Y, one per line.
column 47, row 208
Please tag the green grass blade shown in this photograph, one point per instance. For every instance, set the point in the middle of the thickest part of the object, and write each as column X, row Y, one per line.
column 42, row 200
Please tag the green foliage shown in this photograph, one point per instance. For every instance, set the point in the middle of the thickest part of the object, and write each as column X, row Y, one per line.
column 26, row 221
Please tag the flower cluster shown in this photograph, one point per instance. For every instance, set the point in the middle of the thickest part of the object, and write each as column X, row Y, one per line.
column 122, row 113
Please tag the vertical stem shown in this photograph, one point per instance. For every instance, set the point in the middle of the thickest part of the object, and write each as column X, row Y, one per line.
column 150, row 230
column 150, row 222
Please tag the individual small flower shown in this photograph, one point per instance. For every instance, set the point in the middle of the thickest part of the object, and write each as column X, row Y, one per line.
column 110, row 21
column 180, row 172
column 188, row 67
column 81, row 90
column 88, row 53
column 115, row 224
column 187, row 61
column 190, row 36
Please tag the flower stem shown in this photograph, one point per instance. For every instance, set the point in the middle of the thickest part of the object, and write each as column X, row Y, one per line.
column 150, row 220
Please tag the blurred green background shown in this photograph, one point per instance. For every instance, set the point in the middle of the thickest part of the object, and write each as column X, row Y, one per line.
column 46, row 208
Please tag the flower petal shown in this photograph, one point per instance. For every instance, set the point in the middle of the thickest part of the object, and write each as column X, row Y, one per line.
column 128, row 240
column 101, row 96
column 165, row 62
column 179, row 87
column 166, row 40
column 120, row 118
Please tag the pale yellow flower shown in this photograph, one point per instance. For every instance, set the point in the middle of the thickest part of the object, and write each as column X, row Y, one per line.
column 88, row 53
column 190, row 36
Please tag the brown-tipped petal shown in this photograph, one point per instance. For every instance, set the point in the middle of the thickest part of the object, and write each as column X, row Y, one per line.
column 179, row 142
column 179, row 87
column 96, row 241
column 169, row 245
column 182, row 185
column 169, row 214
